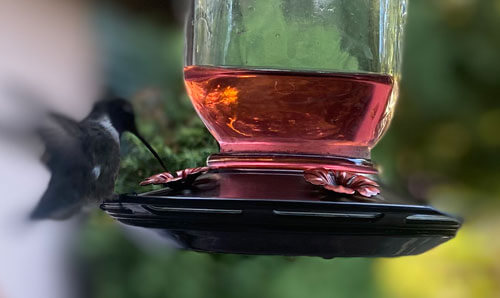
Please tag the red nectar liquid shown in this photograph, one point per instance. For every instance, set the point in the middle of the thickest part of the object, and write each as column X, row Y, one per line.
column 271, row 111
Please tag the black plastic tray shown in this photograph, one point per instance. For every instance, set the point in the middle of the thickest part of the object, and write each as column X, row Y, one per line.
column 283, row 227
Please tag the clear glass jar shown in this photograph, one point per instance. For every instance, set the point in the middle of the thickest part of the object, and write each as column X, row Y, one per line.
column 295, row 80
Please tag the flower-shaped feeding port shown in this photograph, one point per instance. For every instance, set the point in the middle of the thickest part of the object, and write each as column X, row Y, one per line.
column 342, row 182
column 182, row 177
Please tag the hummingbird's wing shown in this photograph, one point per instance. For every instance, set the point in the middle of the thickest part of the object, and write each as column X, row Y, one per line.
column 70, row 169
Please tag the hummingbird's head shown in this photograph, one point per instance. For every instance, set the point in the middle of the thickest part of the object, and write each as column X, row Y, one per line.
column 122, row 117
column 120, row 113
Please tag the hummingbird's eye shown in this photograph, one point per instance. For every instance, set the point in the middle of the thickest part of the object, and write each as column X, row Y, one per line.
column 127, row 109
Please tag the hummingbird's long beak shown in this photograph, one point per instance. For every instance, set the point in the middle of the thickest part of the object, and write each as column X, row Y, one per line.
column 153, row 151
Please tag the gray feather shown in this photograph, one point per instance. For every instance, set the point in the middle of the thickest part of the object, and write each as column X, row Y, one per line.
column 83, row 160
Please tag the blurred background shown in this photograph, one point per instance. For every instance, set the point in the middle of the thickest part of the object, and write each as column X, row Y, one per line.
column 443, row 146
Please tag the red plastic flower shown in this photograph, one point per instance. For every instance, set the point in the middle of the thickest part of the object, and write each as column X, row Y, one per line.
column 342, row 182
column 166, row 177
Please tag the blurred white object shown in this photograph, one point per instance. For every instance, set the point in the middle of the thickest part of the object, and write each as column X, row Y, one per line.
column 47, row 47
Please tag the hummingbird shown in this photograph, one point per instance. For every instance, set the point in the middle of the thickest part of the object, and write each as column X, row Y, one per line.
column 84, row 157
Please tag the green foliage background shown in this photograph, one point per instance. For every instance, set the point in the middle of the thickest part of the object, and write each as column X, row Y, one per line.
column 443, row 145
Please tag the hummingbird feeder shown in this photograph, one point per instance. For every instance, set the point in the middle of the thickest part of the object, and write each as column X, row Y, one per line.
column 296, row 93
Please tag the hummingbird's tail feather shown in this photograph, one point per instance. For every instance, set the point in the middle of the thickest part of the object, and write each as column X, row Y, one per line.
column 62, row 199
column 55, row 211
